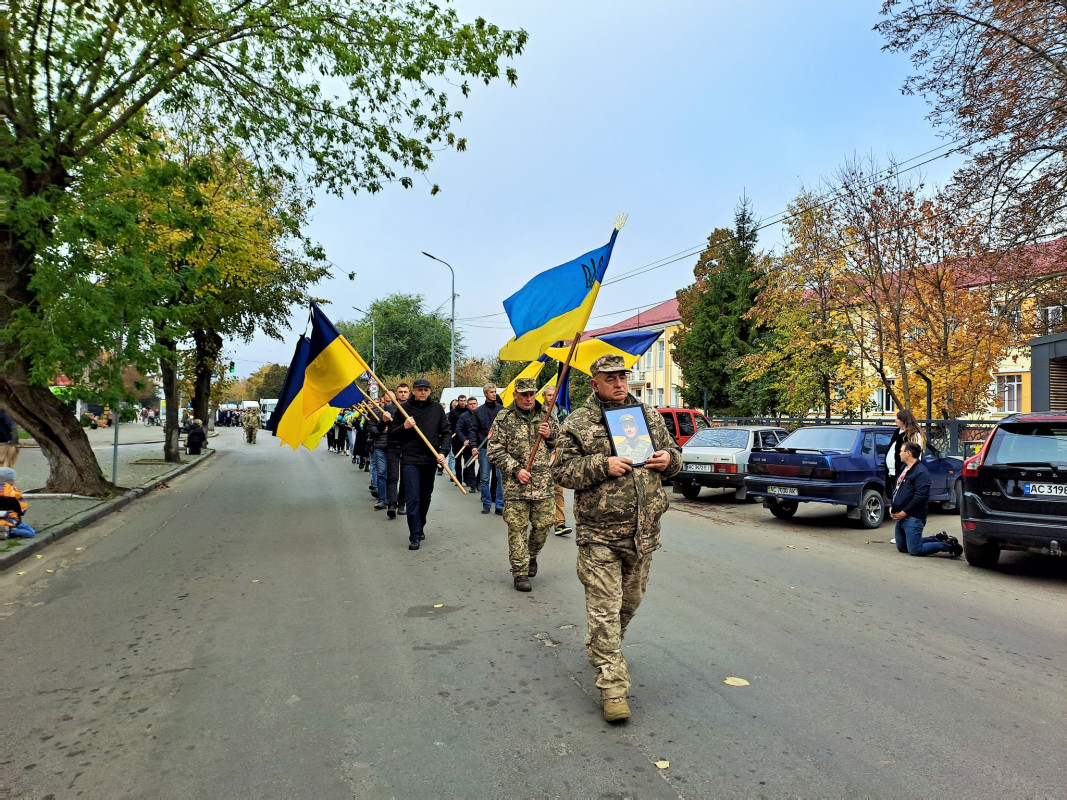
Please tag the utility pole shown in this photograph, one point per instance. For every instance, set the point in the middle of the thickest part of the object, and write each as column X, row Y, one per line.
column 452, row 360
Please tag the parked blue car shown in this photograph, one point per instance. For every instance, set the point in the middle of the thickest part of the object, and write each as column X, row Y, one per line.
column 842, row 465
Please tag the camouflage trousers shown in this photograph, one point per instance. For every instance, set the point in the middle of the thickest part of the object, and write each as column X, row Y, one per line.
column 250, row 435
column 615, row 579
column 529, row 522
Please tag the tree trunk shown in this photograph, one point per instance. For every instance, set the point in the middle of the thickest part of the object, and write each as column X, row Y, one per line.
column 826, row 392
column 208, row 347
column 73, row 467
column 168, row 370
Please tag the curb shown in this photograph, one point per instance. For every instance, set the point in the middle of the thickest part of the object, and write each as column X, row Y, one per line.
column 86, row 518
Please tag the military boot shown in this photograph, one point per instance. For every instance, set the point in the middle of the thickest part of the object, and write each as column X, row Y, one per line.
column 616, row 709
column 532, row 571
column 522, row 584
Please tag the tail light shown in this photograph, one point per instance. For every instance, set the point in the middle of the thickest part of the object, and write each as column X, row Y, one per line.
column 971, row 465
column 728, row 469
column 824, row 474
column 970, row 526
column 757, row 468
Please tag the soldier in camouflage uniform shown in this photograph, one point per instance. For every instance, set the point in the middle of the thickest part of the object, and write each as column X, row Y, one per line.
column 529, row 506
column 617, row 509
column 251, row 425
column 632, row 447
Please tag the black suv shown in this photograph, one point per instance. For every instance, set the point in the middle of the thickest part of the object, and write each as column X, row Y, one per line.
column 1015, row 489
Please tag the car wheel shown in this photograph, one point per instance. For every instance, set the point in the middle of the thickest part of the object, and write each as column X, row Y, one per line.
column 955, row 505
column 872, row 508
column 690, row 491
column 981, row 555
column 783, row 509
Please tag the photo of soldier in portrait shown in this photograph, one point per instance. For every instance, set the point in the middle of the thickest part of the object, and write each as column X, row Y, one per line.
column 629, row 434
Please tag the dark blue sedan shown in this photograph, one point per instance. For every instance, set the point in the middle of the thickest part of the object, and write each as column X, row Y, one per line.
column 842, row 465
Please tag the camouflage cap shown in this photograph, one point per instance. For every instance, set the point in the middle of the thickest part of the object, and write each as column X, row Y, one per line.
column 609, row 363
column 525, row 385
column 627, row 418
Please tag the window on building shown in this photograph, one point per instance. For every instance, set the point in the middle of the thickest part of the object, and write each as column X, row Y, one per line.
column 1050, row 319
column 883, row 401
column 637, row 393
column 661, row 358
column 1009, row 393
column 1012, row 316
column 659, row 397
column 675, row 397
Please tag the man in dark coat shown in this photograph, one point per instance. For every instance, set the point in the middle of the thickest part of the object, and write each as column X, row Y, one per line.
column 418, row 464
column 391, row 420
column 196, row 438
column 911, row 500
column 478, row 432
column 463, row 436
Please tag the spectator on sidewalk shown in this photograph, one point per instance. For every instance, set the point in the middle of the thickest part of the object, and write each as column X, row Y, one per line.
column 9, row 440
column 196, row 438
column 911, row 502
column 13, row 505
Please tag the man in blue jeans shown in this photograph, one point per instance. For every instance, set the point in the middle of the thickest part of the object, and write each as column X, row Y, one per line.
column 911, row 501
column 479, row 425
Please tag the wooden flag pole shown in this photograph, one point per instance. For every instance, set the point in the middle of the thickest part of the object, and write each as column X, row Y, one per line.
column 548, row 411
column 415, row 427
column 370, row 410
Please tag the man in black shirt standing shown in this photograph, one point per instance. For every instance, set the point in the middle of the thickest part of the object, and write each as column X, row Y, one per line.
column 418, row 464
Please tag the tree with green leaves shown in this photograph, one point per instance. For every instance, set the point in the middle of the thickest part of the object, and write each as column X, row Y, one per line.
column 408, row 339
column 717, row 330
column 349, row 93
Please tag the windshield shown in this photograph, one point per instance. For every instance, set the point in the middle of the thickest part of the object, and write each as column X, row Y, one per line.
column 720, row 437
column 1023, row 442
column 820, row 439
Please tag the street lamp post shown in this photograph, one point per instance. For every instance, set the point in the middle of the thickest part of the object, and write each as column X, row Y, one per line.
column 452, row 360
column 373, row 359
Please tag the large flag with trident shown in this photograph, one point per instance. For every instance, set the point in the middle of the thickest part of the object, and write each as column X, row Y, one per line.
column 556, row 303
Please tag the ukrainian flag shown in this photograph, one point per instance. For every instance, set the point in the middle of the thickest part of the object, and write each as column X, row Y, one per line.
column 531, row 370
column 555, row 305
column 333, row 364
column 631, row 345
column 294, row 382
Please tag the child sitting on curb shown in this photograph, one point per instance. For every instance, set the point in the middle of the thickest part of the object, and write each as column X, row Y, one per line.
column 12, row 507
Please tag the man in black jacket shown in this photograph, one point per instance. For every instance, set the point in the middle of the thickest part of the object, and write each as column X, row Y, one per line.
column 911, row 500
column 478, row 432
column 463, row 435
column 391, row 419
column 418, row 465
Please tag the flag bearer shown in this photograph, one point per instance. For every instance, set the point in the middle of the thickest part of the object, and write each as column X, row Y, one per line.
column 529, row 504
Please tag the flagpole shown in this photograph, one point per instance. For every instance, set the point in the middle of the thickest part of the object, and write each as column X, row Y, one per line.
column 415, row 427
column 552, row 403
column 370, row 410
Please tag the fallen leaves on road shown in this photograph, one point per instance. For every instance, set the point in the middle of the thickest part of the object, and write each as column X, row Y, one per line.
column 38, row 556
column 439, row 605
column 162, row 485
column 20, row 573
column 255, row 580
column 663, row 764
column 736, row 682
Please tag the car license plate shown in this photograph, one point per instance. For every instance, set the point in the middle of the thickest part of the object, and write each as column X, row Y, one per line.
column 790, row 490
column 1046, row 489
column 698, row 467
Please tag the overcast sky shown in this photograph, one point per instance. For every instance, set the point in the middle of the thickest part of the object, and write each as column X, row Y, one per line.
column 669, row 111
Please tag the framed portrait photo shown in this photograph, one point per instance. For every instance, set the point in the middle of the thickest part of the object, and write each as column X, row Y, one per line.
column 629, row 434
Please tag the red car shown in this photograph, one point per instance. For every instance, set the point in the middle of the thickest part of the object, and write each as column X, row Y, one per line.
column 683, row 423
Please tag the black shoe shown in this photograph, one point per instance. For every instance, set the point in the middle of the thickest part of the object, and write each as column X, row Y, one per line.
column 391, row 513
column 440, row 472
column 374, row 494
column 563, row 529
column 402, row 509
column 500, row 511
column 485, row 509
column 531, row 571
column 413, row 546
column 957, row 548
column 942, row 536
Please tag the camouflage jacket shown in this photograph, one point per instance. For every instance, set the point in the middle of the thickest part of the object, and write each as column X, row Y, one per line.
column 609, row 509
column 510, row 444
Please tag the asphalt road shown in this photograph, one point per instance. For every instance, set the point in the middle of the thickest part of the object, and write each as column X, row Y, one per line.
column 256, row 630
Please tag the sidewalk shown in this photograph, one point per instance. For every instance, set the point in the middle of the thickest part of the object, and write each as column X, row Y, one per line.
column 140, row 467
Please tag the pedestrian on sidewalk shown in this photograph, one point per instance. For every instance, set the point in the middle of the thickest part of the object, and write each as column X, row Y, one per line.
column 196, row 438
column 418, row 464
column 9, row 440
column 617, row 511
column 529, row 506
column 911, row 502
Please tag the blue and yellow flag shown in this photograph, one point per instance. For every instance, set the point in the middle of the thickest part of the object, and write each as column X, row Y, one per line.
column 631, row 345
column 294, row 382
column 333, row 364
column 555, row 305
column 531, row 370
